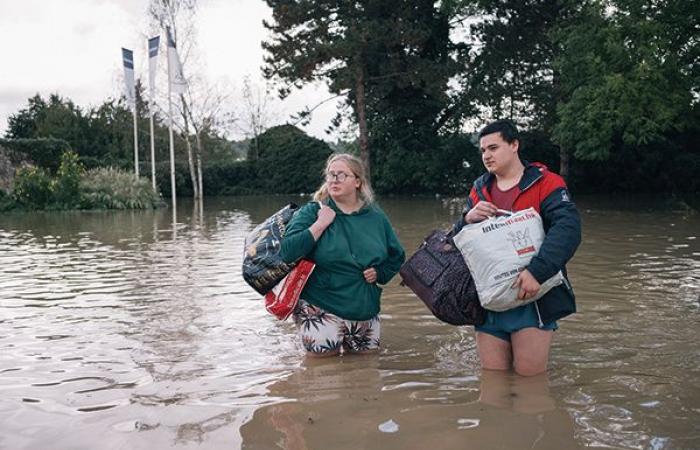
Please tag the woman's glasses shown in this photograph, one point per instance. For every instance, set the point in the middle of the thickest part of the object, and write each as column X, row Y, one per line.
column 337, row 176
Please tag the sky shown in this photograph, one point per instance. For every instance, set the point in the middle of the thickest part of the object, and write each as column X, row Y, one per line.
column 73, row 48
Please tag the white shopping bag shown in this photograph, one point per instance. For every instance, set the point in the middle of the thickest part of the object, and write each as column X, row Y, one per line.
column 497, row 250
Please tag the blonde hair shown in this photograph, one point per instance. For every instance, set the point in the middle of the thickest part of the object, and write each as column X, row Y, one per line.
column 365, row 192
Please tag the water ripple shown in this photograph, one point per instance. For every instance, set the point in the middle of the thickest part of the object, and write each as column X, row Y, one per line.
column 119, row 322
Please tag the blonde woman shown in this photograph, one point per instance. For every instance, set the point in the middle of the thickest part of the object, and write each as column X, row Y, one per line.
column 355, row 248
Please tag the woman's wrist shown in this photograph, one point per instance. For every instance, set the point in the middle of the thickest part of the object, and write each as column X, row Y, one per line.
column 317, row 228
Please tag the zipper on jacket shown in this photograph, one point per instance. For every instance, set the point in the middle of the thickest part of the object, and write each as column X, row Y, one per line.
column 539, row 317
column 530, row 185
column 568, row 286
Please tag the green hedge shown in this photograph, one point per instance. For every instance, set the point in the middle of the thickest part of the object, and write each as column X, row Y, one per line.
column 288, row 160
column 237, row 178
column 44, row 152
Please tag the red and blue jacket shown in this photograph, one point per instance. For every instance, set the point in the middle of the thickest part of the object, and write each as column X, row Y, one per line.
column 546, row 192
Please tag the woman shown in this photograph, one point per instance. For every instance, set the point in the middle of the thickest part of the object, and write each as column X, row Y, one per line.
column 354, row 247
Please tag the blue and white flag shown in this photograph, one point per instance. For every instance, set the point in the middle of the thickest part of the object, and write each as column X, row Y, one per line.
column 178, row 84
column 128, row 58
column 153, row 45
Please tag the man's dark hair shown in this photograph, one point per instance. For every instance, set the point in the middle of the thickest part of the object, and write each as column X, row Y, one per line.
column 507, row 128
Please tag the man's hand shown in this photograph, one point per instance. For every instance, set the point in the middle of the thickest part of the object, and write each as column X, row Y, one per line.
column 528, row 285
column 370, row 275
column 481, row 211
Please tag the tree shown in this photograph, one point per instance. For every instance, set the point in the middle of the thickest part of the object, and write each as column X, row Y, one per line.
column 626, row 79
column 289, row 161
column 200, row 107
column 511, row 72
column 408, row 104
column 255, row 114
column 23, row 124
column 57, row 118
column 378, row 55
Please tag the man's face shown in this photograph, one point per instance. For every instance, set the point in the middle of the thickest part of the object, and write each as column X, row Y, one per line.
column 497, row 154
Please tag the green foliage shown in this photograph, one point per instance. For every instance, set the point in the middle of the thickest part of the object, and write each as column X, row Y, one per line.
column 448, row 168
column 289, row 161
column 391, row 61
column 510, row 73
column 73, row 188
column 536, row 145
column 234, row 178
column 53, row 118
column 43, row 152
column 101, row 136
column 108, row 188
column 183, row 182
column 66, row 186
column 6, row 201
column 622, row 86
column 615, row 82
column 32, row 188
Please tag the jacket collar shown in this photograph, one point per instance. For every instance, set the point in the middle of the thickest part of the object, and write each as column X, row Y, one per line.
column 533, row 172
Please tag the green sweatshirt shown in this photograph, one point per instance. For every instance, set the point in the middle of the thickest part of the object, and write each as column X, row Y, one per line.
column 352, row 243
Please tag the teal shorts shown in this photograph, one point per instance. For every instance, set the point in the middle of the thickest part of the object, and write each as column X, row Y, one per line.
column 503, row 324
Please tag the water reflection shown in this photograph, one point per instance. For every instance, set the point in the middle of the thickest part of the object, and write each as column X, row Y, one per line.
column 331, row 402
column 132, row 331
column 346, row 405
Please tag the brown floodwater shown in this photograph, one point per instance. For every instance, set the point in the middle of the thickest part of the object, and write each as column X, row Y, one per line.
column 119, row 330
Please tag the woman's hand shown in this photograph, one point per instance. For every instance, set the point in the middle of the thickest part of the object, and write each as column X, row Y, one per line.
column 481, row 211
column 370, row 275
column 325, row 217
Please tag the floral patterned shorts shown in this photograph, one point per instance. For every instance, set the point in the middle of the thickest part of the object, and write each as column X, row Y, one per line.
column 323, row 332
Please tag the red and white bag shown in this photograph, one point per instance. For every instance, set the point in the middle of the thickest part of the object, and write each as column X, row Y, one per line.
column 283, row 298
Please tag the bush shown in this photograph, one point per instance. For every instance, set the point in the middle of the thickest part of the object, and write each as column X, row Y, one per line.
column 183, row 183
column 232, row 178
column 66, row 186
column 115, row 189
column 43, row 152
column 289, row 161
column 6, row 201
column 32, row 188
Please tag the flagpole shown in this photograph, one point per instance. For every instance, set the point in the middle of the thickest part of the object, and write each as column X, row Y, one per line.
column 153, row 154
column 128, row 61
column 172, row 144
column 153, row 47
column 136, row 144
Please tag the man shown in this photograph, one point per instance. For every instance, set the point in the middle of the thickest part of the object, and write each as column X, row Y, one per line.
column 520, row 338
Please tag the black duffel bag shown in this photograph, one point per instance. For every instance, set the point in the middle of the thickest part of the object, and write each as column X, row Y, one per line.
column 439, row 276
column 263, row 267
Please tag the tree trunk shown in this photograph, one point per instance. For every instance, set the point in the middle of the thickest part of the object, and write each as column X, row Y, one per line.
column 190, row 156
column 564, row 163
column 190, row 161
column 362, row 117
column 200, row 150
